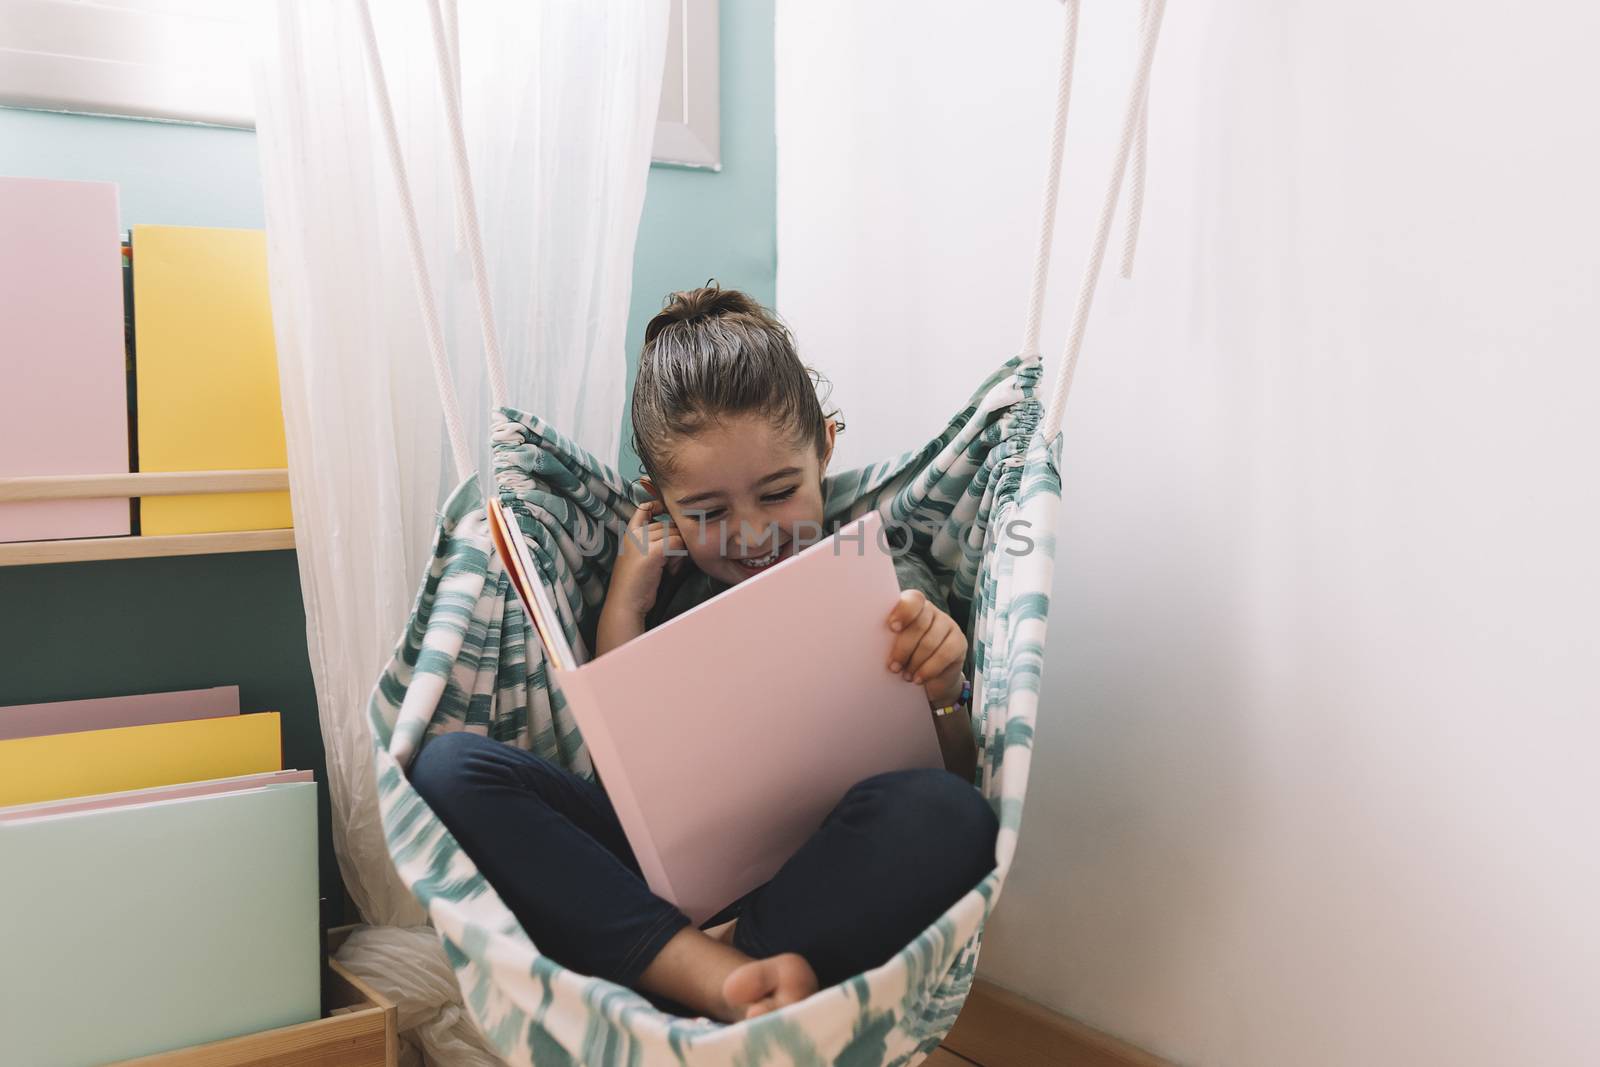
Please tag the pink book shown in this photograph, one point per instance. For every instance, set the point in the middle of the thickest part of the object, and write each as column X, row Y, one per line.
column 726, row 735
column 73, row 805
column 111, row 713
column 64, row 405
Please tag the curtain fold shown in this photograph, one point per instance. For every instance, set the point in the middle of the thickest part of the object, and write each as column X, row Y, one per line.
column 559, row 101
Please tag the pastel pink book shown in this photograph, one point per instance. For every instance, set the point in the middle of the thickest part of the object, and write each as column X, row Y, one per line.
column 211, row 787
column 111, row 713
column 726, row 735
column 64, row 405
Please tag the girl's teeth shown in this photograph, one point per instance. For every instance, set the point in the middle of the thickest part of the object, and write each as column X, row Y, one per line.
column 757, row 564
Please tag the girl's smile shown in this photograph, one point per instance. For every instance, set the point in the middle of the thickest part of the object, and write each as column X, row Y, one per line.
column 761, row 563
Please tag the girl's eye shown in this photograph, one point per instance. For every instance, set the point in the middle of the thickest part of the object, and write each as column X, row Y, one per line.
column 710, row 516
column 774, row 498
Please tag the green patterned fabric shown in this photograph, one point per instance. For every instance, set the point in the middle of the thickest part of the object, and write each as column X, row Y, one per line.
column 978, row 504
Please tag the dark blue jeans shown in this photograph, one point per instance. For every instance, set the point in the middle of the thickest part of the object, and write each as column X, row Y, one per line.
column 897, row 851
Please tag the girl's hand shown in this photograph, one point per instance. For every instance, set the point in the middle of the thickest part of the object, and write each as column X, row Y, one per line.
column 641, row 558
column 929, row 648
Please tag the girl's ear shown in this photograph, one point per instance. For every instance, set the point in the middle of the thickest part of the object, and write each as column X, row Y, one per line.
column 832, row 429
column 649, row 486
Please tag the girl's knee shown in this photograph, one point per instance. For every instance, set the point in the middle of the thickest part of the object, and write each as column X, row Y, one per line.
column 932, row 802
column 440, row 767
column 957, row 807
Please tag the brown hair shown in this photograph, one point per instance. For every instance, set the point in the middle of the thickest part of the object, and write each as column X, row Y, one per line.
column 714, row 352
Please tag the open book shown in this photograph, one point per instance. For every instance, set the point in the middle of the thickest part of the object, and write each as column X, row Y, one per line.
column 725, row 735
column 513, row 551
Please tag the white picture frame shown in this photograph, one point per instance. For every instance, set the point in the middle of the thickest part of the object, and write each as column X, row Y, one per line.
column 187, row 61
column 689, row 119
column 175, row 60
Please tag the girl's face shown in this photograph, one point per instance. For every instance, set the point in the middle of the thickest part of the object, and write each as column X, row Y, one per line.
column 744, row 497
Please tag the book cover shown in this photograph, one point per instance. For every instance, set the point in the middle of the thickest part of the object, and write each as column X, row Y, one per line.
column 207, row 374
column 64, row 407
column 146, row 796
column 34, row 769
column 133, row 930
column 109, row 713
column 723, row 742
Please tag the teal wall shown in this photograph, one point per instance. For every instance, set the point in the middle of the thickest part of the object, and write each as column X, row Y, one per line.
column 105, row 628
column 168, row 175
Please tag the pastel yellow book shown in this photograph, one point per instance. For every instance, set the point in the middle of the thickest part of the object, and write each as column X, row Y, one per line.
column 34, row 769
column 206, row 373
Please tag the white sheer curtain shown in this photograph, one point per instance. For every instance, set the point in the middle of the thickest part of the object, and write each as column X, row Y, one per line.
column 559, row 100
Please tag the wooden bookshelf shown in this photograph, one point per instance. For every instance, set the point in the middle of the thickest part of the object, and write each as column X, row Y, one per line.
column 125, row 486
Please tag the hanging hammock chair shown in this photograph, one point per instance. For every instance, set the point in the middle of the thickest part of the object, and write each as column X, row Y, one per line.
column 470, row 659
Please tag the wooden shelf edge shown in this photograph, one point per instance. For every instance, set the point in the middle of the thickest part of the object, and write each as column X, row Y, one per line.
column 80, row 550
column 144, row 483
column 391, row 1014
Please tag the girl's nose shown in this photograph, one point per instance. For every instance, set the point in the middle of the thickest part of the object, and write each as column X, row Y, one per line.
column 754, row 536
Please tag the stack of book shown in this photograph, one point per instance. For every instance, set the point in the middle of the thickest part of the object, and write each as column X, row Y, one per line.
column 150, row 355
column 159, row 884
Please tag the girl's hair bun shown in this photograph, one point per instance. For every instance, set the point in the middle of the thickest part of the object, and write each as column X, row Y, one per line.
column 713, row 352
column 692, row 305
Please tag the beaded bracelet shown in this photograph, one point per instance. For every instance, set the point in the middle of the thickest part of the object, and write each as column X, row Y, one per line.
column 962, row 701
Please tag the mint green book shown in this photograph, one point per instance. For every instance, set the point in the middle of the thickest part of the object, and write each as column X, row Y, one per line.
column 134, row 930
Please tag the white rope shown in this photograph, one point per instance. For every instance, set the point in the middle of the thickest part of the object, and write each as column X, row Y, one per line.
column 1052, row 188
column 1150, row 31
column 466, row 203
column 452, row 28
column 419, row 266
column 1130, row 240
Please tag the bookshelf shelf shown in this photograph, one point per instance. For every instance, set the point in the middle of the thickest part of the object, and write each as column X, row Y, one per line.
column 176, row 483
column 102, row 486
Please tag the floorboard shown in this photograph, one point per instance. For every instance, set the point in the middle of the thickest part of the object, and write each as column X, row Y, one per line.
column 943, row 1057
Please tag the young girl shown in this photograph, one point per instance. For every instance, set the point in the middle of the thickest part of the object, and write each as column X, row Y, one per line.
column 728, row 426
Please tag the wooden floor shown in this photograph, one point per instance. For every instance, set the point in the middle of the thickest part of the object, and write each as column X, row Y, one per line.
column 998, row 1028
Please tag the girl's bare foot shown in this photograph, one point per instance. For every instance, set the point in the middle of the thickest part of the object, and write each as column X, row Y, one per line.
column 710, row 976
column 760, row 986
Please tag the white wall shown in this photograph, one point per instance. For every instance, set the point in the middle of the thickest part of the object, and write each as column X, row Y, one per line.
column 1315, row 778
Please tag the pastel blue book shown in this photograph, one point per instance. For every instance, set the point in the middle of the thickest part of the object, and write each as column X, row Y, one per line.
column 133, row 930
